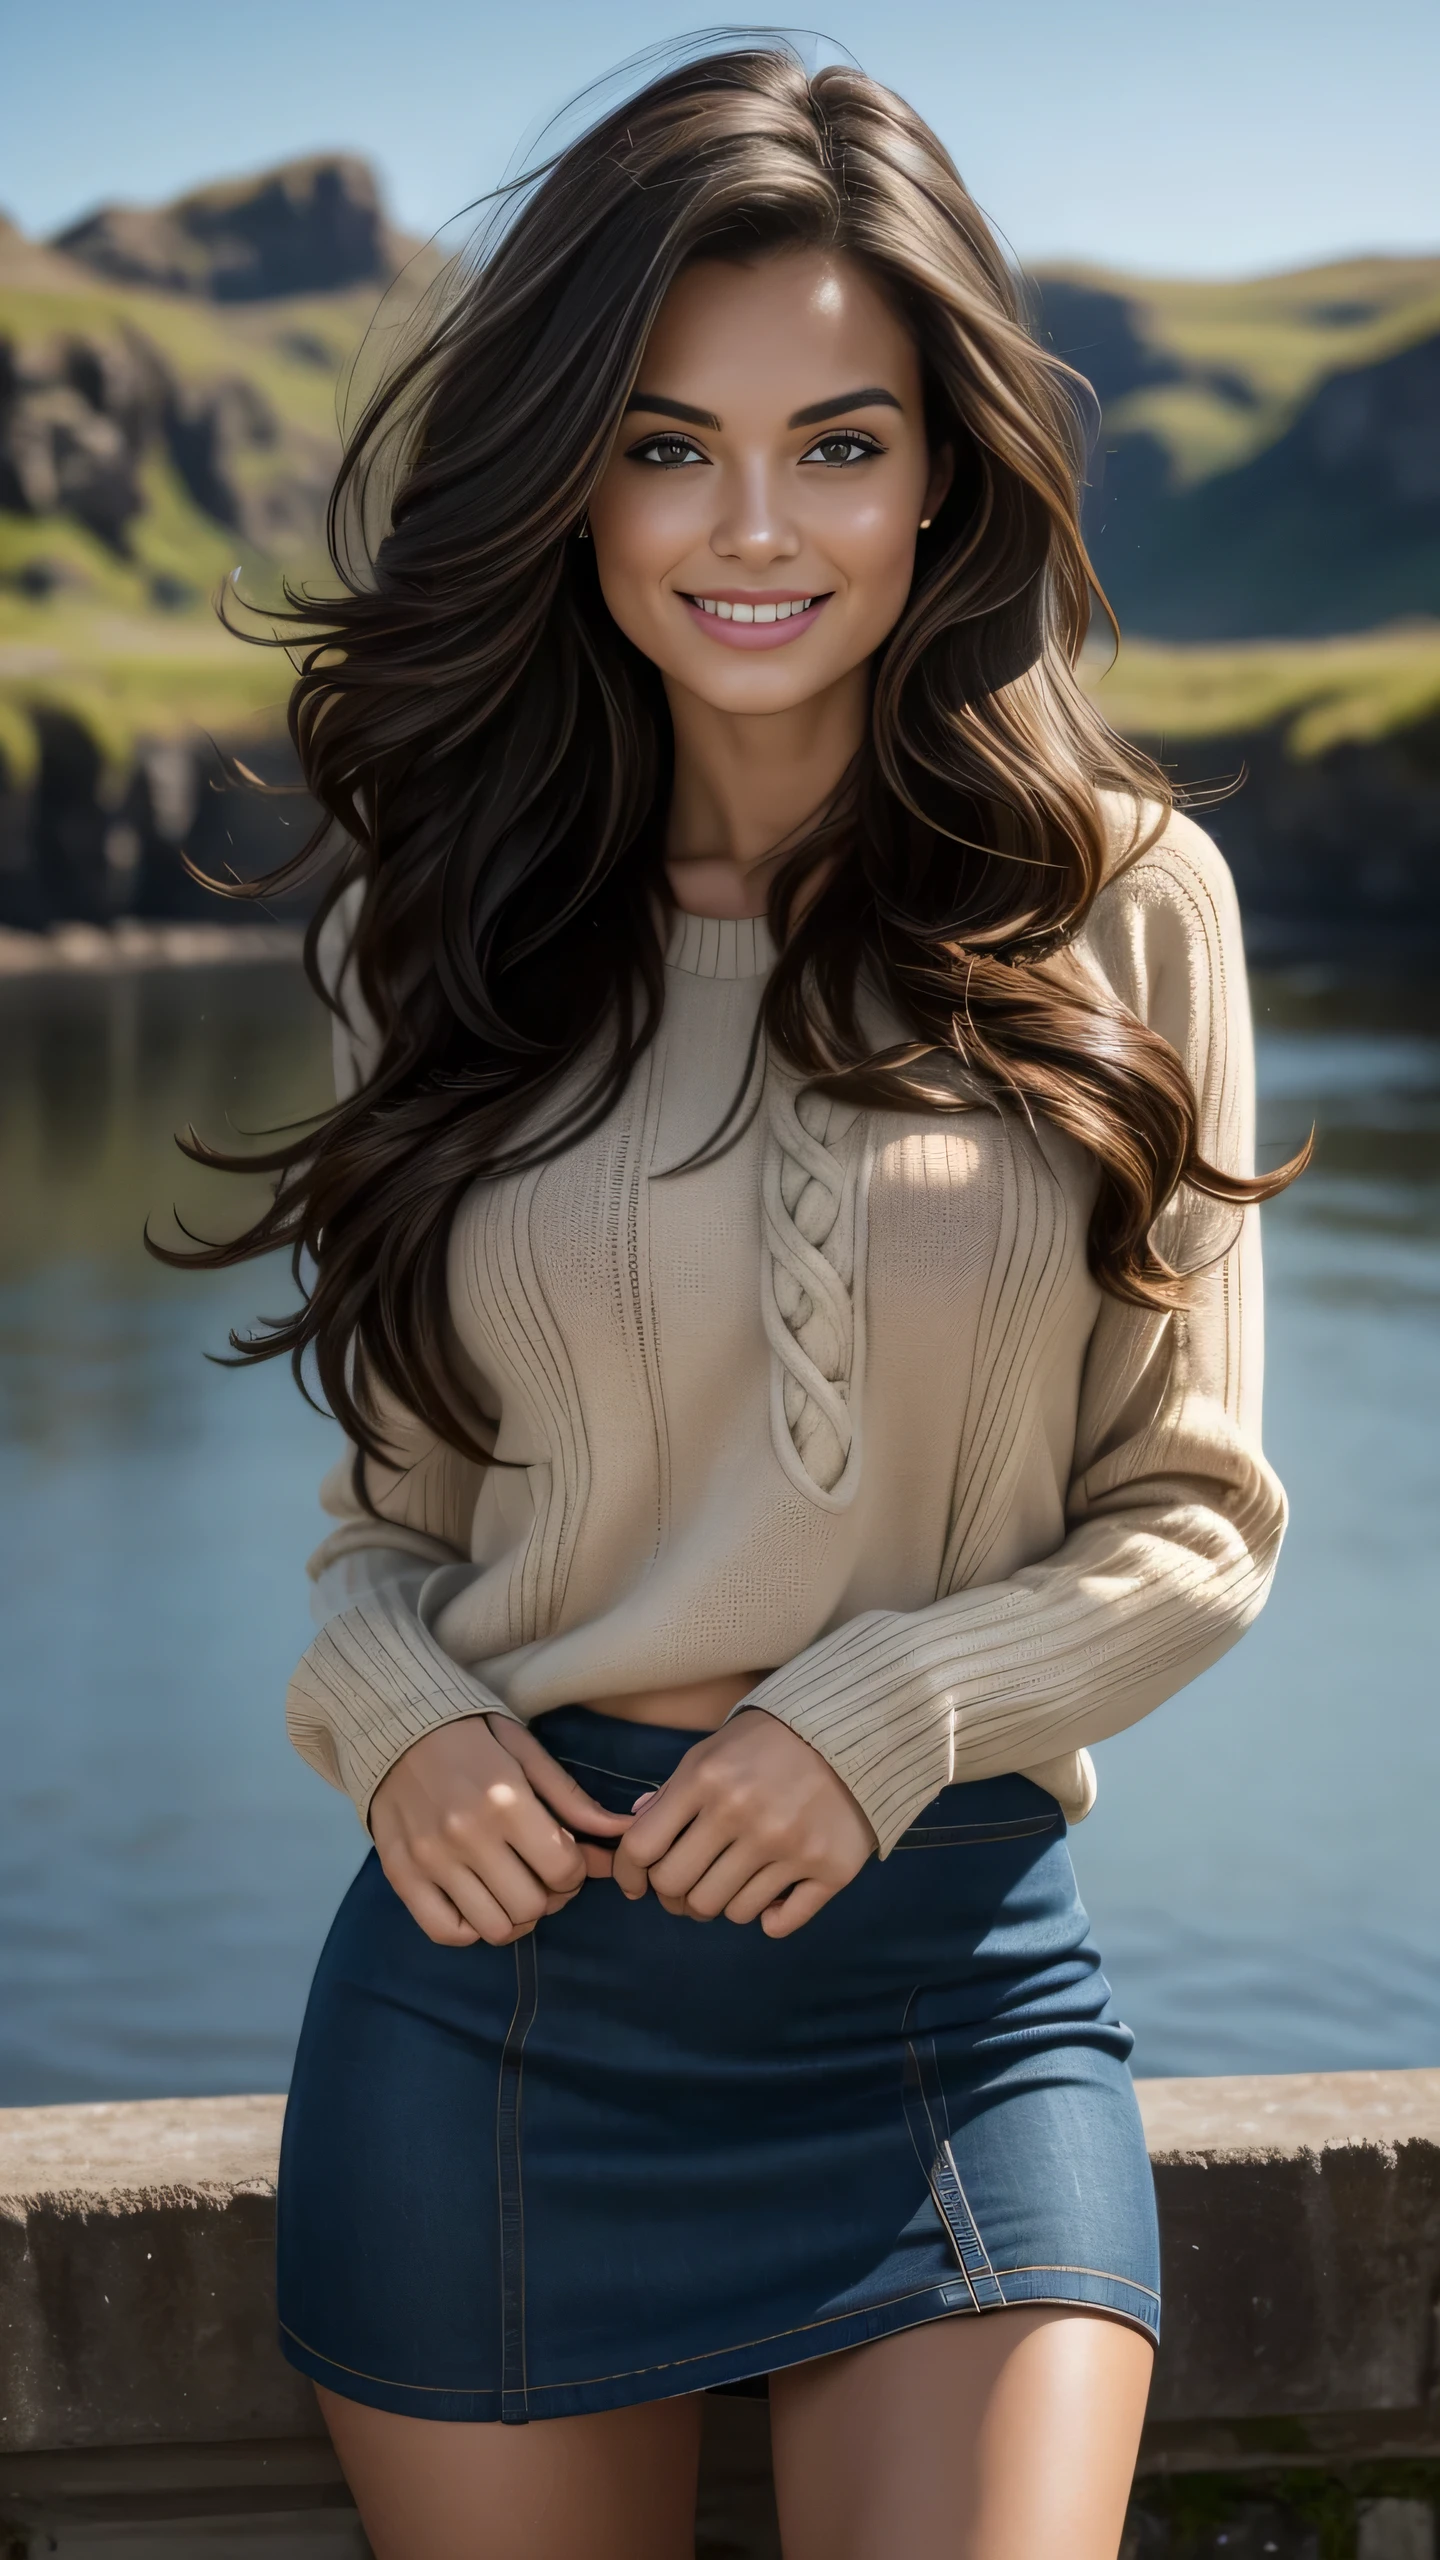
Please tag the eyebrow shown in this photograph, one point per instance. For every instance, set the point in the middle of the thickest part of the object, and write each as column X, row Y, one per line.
column 658, row 408
column 874, row 396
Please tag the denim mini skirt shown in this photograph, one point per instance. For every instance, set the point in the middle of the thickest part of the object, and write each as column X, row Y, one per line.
column 635, row 2155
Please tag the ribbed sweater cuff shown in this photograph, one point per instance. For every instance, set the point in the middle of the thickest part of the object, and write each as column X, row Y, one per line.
column 373, row 1682
column 898, row 1765
column 891, row 1773
column 995, row 1679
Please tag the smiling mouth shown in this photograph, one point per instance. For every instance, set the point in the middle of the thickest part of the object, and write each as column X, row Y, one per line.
column 754, row 622
column 782, row 610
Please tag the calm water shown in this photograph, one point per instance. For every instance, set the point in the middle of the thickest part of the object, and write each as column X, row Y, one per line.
column 1262, row 1869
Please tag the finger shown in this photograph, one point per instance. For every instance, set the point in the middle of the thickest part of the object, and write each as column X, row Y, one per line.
column 486, row 1911
column 735, row 1869
column 506, row 1825
column 443, row 1919
column 758, row 1894
column 632, row 1880
column 437, row 1915
column 696, row 1852
column 551, row 1852
column 799, row 1905
column 555, row 1786
column 511, row 1882
column 560, row 1901
column 665, row 1816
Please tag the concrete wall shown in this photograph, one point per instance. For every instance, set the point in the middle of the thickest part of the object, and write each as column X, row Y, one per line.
column 145, row 2411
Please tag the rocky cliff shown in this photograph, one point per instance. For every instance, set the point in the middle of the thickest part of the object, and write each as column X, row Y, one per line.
column 1268, row 458
column 1267, row 461
column 311, row 226
column 87, row 416
column 120, row 399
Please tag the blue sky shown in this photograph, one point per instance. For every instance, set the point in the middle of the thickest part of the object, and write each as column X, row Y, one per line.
column 1193, row 137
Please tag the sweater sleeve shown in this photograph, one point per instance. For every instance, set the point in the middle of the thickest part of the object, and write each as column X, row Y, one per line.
column 1174, row 1519
column 375, row 1679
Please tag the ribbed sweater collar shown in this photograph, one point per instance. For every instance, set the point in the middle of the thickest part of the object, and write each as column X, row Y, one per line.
column 720, row 946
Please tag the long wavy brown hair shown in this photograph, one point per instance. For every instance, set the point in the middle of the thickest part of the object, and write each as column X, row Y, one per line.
column 492, row 756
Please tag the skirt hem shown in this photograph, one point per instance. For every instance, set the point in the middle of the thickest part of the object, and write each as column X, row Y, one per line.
column 1077, row 2289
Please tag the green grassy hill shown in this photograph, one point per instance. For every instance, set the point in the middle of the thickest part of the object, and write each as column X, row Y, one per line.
column 151, row 442
column 1269, row 455
column 1267, row 473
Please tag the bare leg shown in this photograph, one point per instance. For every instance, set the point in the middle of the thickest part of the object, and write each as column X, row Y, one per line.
column 616, row 2486
column 1008, row 2436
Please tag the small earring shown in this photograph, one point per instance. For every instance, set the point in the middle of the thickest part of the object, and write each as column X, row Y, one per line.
column 925, row 523
column 582, row 530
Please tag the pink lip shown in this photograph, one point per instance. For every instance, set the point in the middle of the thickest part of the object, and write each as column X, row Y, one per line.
column 753, row 635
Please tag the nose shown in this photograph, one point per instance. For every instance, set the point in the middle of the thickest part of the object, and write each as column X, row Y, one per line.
column 754, row 526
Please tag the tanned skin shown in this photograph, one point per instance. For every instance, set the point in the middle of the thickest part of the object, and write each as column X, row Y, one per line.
column 774, row 454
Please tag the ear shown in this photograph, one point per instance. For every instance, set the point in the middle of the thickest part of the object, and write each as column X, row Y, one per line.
column 942, row 474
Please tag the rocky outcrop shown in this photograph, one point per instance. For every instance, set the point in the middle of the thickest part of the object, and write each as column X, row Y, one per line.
column 77, row 849
column 74, row 424
column 80, row 415
column 1336, row 857
column 1332, row 525
column 310, row 226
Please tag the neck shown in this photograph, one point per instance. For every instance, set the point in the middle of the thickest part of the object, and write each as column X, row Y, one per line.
column 747, row 787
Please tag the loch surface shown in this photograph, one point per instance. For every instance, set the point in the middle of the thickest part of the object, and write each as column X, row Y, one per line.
column 1261, row 1869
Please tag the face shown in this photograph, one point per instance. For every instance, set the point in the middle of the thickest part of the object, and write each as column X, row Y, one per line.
column 755, row 525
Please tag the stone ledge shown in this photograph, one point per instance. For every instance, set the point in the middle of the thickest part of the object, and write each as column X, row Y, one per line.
column 145, row 2408
column 1300, row 2221
column 1287, row 2115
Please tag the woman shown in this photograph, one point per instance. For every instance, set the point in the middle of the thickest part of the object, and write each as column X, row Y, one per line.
column 785, row 1257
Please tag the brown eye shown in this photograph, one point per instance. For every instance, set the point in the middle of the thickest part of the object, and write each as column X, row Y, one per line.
column 667, row 453
column 843, row 447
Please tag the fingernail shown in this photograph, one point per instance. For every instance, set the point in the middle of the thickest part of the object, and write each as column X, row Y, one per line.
column 645, row 1799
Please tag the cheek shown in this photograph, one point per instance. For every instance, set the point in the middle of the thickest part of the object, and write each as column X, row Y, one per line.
column 876, row 550
column 640, row 528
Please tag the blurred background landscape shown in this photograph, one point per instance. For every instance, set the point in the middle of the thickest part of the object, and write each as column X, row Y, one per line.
column 1264, row 513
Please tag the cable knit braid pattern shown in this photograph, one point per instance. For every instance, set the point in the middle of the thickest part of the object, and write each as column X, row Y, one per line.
column 812, row 1284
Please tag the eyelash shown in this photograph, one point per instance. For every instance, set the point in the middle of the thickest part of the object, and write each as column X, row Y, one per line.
column 862, row 447
column 678, row 453
column 673, row 460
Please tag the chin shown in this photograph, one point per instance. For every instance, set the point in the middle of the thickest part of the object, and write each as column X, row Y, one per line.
column 745, row 688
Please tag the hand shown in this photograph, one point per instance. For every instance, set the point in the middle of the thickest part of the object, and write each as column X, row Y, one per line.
column 465, row 1824
column 753, row 1823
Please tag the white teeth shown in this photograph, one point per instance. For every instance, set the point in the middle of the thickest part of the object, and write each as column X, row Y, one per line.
column 753, row 612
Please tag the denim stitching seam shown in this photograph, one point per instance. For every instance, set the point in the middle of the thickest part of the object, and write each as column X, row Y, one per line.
column 970, row 1835
column 967, row 2237
column 943, row 2178
column 514, row 2407
column 774, row 2337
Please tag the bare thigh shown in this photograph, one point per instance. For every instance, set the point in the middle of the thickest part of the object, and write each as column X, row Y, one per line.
column 616, row 2486
column 1011, row 2436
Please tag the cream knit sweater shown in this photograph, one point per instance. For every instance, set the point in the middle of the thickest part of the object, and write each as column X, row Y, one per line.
column 845, row 1407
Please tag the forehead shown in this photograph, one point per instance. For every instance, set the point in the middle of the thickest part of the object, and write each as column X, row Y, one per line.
column 781, row 331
